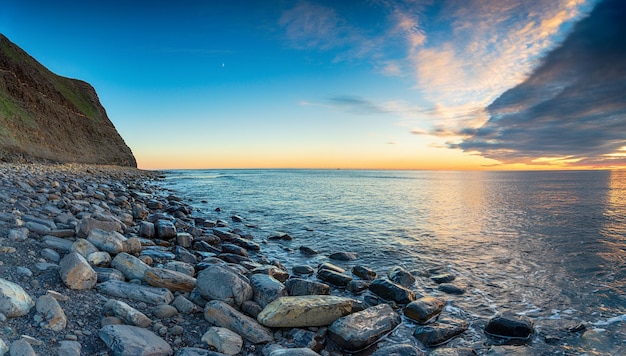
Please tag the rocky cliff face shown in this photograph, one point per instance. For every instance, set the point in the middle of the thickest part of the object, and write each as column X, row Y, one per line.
column 46, row 117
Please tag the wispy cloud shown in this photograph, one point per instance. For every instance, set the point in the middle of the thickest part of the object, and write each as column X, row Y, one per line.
column 572, row 109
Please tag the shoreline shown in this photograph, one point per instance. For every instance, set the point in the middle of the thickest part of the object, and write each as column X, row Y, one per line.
column 59, row 205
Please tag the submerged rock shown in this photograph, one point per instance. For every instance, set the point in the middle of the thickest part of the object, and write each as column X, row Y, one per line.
column 510, row 325
column 441, row 332
column 401, row 276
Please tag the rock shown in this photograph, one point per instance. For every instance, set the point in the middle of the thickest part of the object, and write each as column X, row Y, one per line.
column 251, row 308
column 273, row 271
column 232, row 248
column 49, row 314
column 181, row 267
column 86, row 225
column 392, row 291
column 14, row 301
column 19, row 234
column 439, row 333
column 164, row 311
column 443, row 278
column 76, row 272
column 331, row 267
column 299, row 287
column 184, row 239
column 307, row 251
column 165, row 229
column 305, row 338
column 343, row 256
column 57, row 243
column 223, row 283
column 359, row 330
column 126, row 313
column 37, row 228
column 131, row 266
column 304, row 311
column 84, row 247
column 136, row 292
column 69, row 348
column 3, row 348
column 172, row 280
column 364, row 272
column 224, row 340
column 510, row 325
column 132, row 245
column 401, row 276
column 448, row 351
column 185, row 306
column 300, row 351
column 21, row 348
column 356, row 286
column 133, row 340
column 266, row 289
column 424, row 309
column 247, row 244
column 333, row 277
column 303, row 270
column 106, row 274
column 451, row 288
column 223, row 315
column 398, row 350
column 196, row 351
column 109, row 241
column 146, row 229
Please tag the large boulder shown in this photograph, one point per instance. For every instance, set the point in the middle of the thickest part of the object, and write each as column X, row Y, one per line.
column 266, row 289
column 133, row 340
column 50, row 315
column 360, row 330
column 223, row 283
column 220, row 314
column 14, row 301
column 305, row 311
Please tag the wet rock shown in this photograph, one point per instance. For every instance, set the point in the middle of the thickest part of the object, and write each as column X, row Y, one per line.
column 364, row 272
column 126, row 313
column 14, row 301
column 424, row 309
column 76, row 272
column 232, row 248
column 443, row 278
column 133, row 340
column 277, row 273
column 136, row 292
column 448, row 351
column 224, row 340
column 109, row 241
column 266, row 289
column 69, row 348
column 131, row 266
column 300, row 351
column 398, row 350
column 330, row 266
column 359, row 330
column 510, row 325
column 49, row 314
column 280, row 236
column 307, row 251
column 165, row 229
column 392, row 291
column 334, row 278
column 439, row 333
column 304, row 311
column 356, row 286
column 303, row 270
column 300, row 287
column 172, row 280
column 223, row 315
column 304, row 338
column 247, row 244
column 223, row 283
column 401, row 276
column 343, row 256
column 451, row 288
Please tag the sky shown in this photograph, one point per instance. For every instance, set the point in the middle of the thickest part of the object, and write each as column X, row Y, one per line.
column 374, row 84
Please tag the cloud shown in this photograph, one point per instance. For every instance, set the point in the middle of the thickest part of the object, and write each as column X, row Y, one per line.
column 572, row 109
column 357, row 105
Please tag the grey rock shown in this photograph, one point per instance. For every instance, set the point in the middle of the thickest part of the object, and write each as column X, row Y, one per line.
column 164, row 311
column 136, row 292
column 126, row 313
column 106, row 274
column 451, row 288
column 364, row 272
column 510, row 325
column 131, row 340
column 57, row 243
column 172, row 280
column 392, row 291
column 146, row 229
column 86, row 225
column 51, row 255
column 182, row 267
column 343, row 256
column 14, row 301
column 266, row 289
column 443, row 278
column 109, row 241
column 305, row 311
column 185, row 306
column 448, row 351
column 305, row 338
column 37, row 228
column 271, row 270
column 401, row 276
column 3, row 348
column 398, row 350
column 131, row 266
column 69, row 348
column 196, row 351
column 84, row 247
column 303, row 270
column 223, row 283
column 223, row 315
column 99, row 259
column 49, row 314
column 359, row 330
column 300, row 351
column 76, row 272
column 224, row 340
column 333, row 277
column 184, row 239
column 440, row 333
column 165, row 229
column 299, row 287
column 357, row 286
column 21, row 348
column 19, row 234
column 424, row 309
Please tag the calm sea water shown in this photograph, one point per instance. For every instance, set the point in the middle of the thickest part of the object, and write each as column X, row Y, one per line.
column 550, row 245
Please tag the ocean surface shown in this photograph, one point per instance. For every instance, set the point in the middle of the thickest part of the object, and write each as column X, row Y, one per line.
column 549, row 245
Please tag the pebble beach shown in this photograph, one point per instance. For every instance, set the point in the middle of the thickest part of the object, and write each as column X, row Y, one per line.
column 98, row 260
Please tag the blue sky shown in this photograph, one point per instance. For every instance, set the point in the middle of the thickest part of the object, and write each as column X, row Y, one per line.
column 312, row 84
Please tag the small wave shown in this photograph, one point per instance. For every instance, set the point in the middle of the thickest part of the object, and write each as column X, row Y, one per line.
column 610, row 321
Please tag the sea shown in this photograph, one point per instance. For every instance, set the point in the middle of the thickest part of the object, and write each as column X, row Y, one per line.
column 550, row 245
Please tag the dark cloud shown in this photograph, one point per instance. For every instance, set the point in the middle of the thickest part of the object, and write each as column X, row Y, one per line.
column 573, row 105
column 357, row 105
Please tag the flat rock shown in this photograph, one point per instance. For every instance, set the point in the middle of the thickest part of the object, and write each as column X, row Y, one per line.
column 389, row 290
column 424, row 309
column 224, row 340
column 364, row 272
column 172, row 280
column 76, row 272
column 126, row 313
column 299, row 287
column 86, row 225
column 131, row 340
column 333, row 277
column 49, row 314
column 223, row 283
column 359, row 330
column 136, row 292
column 57, row 243
column 441, row 332
column 131, row 266
column 223, row 315
column 510, row 325
column 305, row 311
column 266, row 289
column 14, row 301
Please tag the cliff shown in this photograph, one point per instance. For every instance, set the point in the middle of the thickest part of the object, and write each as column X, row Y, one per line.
column 48, row 118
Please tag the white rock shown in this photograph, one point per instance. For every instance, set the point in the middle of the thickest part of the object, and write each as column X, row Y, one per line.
column 14, row 301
